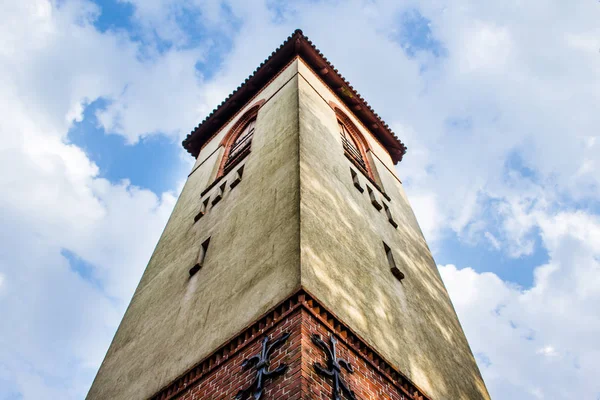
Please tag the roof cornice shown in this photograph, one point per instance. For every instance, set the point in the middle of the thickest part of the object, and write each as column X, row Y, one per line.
column 296, row 45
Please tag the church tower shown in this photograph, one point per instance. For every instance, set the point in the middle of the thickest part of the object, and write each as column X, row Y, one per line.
column 292, row 266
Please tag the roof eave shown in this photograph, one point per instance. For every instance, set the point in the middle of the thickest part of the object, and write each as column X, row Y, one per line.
column 296, row 44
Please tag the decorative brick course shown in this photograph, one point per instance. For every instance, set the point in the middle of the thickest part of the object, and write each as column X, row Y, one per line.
column 221, row 375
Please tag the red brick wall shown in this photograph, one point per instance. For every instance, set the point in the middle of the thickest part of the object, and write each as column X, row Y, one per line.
column 224, row 378
column 225, row 381
column 366, row 382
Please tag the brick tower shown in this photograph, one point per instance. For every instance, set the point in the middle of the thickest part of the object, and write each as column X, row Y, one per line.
column 292, row 266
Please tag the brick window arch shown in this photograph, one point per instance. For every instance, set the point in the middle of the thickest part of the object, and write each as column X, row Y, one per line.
column 355, row 145
column 238, row 140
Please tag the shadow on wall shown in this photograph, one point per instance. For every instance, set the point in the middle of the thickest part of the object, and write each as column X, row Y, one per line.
column 413, row 323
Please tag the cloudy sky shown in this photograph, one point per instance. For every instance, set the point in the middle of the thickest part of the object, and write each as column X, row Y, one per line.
column 498, row 103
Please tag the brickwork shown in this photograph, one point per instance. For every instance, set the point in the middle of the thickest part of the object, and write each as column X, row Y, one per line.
column 295, row 229
column 225, row 381
column 366, row 382
column 222, row 376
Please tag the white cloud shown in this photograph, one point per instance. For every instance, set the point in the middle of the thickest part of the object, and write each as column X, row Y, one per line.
column 486, row 47
column 164, row 97
column 521, row 77
column 425, row 206
column 583, row 42
column 534, row 340
column 59, row 61
column 62, row 319
column 522, row 89
column 548, row 351
column 492, row 239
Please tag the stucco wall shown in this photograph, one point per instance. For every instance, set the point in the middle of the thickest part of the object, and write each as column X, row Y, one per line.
column 344, row 265
column 328, row 96
column 294, row 219
column 252, row 263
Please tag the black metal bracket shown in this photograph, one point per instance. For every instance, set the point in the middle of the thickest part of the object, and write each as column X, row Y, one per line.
column 261, row 363
column 334, row 368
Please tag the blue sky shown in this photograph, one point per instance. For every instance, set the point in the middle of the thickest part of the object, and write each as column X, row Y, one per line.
column 156, row 162
column 501, row 169
column 153, row 163
column 114, row 15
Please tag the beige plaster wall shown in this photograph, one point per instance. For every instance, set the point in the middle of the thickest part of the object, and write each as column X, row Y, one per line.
column 252, row 263
column 265, row 94
column 412, row 324
column 294, row 219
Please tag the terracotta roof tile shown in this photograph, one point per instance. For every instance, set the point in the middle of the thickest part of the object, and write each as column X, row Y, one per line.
column 295, row 44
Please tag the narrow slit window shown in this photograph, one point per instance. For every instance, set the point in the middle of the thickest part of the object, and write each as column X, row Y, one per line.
column 220, row 193
column 374, row 201
column 356, row 181
column 393, row 268
column 203, row 209
column 201, row 257
column 389, row 255
column 388, row 212
column 238, row 177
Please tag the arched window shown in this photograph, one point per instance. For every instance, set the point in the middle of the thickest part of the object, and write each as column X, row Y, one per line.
column 357, row 150
column 238, row 140
column 240, row 146
column 354, row 147
column 351, row 147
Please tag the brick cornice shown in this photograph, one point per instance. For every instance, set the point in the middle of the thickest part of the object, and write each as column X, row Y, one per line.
column 301, row 300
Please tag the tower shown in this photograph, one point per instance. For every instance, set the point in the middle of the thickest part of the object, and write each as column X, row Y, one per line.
column 292, row 266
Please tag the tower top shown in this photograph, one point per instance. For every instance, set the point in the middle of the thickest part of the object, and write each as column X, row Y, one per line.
column 295, row 45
